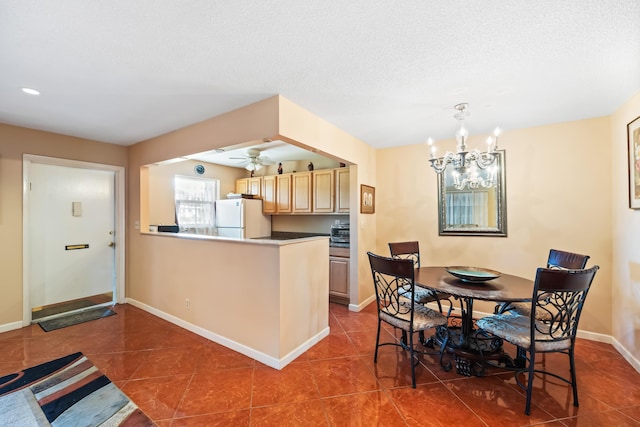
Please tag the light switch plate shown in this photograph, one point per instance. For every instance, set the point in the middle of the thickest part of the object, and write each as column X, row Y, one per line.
column 76, row 208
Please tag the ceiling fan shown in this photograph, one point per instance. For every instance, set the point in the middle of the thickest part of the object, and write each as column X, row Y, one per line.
column 253, row 160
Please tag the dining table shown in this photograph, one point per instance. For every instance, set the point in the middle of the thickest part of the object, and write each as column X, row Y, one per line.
column 471, row 348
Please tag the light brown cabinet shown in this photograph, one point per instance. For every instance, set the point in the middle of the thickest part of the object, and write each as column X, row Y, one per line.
column 242, row 186
column 323, row 191
column 339, row 275
column 283, row 193
column 269, row 194
column 249, row 186
column 301, row 192
column 254, row 186
column 342, row 190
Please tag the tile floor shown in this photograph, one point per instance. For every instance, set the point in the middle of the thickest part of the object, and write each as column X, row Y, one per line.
column 181, row 379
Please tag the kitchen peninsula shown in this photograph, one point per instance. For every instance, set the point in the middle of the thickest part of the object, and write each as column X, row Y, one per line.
column 264, row 298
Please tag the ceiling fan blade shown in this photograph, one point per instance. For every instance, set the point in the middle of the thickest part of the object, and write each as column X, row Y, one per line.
column 266, row 161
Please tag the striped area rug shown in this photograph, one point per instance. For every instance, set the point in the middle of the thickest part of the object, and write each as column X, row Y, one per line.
column 69, row 391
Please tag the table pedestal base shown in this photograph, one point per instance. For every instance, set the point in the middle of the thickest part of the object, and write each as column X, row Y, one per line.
column 472, row 350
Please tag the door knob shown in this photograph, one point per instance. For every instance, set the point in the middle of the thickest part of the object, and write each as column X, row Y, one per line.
column 111, row 244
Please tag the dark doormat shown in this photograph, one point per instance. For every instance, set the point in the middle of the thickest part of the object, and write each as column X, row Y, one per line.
column 76, row 318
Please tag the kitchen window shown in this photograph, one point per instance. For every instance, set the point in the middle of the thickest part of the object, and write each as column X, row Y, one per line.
column 195, row 199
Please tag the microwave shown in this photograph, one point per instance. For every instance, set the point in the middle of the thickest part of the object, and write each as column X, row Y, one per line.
column 339, row 233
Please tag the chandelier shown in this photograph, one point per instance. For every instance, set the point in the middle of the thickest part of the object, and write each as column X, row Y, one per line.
column 467, row 164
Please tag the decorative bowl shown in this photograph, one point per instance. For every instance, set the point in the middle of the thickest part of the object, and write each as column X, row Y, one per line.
column 473, row 274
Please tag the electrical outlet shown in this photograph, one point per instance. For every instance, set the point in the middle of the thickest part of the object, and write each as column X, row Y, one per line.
column 187, row 303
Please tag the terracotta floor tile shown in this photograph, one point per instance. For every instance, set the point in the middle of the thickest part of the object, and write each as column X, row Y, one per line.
column 220, row 391
column 609, row 389
column 334, row 325
column 602, row 419
column 119, row 366
column 346, row 375
column 333, row 345
column 363, row 409
column 294, row 383
column 433, row 405
column 496, row 402
column 556, row 397
column 309, row 413
column 393, row 369
column 633, row 412
column 214, row 357
column 157, row 397
column 235, row 419
column 338, row 309
column 358, row 321
column 365, row 341
column 168, row 361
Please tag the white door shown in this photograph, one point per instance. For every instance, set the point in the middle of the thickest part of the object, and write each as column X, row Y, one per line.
column 71, row 233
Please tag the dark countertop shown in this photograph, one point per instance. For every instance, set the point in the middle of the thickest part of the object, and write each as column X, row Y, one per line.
column 286, row 235
column 289, row 235
column 338, row 245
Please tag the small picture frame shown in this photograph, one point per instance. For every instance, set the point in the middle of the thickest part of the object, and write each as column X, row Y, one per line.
column 633, row 150
column 367, row 199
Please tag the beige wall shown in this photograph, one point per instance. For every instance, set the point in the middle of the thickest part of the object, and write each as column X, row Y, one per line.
column 273, row 118
column 558, row 196
column 256, row 121
column 161, row 179
column 299, row 124
column 14, row 142
column 626, row 244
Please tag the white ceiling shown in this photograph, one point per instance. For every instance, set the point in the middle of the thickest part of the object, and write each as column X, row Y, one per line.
column 385, row 71
column 268, row 152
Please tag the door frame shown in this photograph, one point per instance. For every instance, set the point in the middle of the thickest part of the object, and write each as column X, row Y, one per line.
column 119, row 187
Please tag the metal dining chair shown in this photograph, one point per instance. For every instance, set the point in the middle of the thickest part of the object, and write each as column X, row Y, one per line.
column 411, row 250
column 557, row 259
column 392, row 280
column 560, row 295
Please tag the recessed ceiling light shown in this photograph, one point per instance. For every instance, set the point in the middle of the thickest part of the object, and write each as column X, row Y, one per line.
column 30, row 91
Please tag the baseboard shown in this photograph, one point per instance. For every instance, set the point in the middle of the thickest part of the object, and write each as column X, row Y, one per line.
column 363, row 304
column 625, row 353
column 240, row 348
column 11, row 326
column 302, row 348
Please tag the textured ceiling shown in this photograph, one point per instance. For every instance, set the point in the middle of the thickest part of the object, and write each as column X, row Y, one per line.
column 387, row 72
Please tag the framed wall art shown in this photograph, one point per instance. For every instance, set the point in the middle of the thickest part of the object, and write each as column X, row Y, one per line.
column 367, row 199
column 633, row 149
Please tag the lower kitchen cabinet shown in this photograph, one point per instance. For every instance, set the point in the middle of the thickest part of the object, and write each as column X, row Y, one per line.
column 339, row 275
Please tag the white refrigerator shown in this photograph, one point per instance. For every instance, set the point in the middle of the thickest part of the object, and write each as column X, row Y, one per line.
column 242, row 219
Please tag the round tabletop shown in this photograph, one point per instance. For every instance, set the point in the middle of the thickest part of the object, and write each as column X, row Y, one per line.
column 504, row 288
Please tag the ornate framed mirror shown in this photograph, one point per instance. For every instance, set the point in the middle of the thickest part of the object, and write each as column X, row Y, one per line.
column 471, row 207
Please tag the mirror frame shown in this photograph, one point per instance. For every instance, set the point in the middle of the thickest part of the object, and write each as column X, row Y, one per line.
column 501, row 207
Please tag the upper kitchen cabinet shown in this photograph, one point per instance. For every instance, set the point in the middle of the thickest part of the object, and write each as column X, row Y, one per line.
column 319, row 192
column 283, row 193
column 301, row 192
column 342, row 190
column 255, row 186
column 249, row 186
column 242, row 186
column 323, row 191
column 269, row 194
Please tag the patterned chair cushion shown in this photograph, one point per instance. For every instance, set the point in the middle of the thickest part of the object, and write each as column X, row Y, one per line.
column 423, row 317
column 524, row 309
column 420, row 295
column 515, row 329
